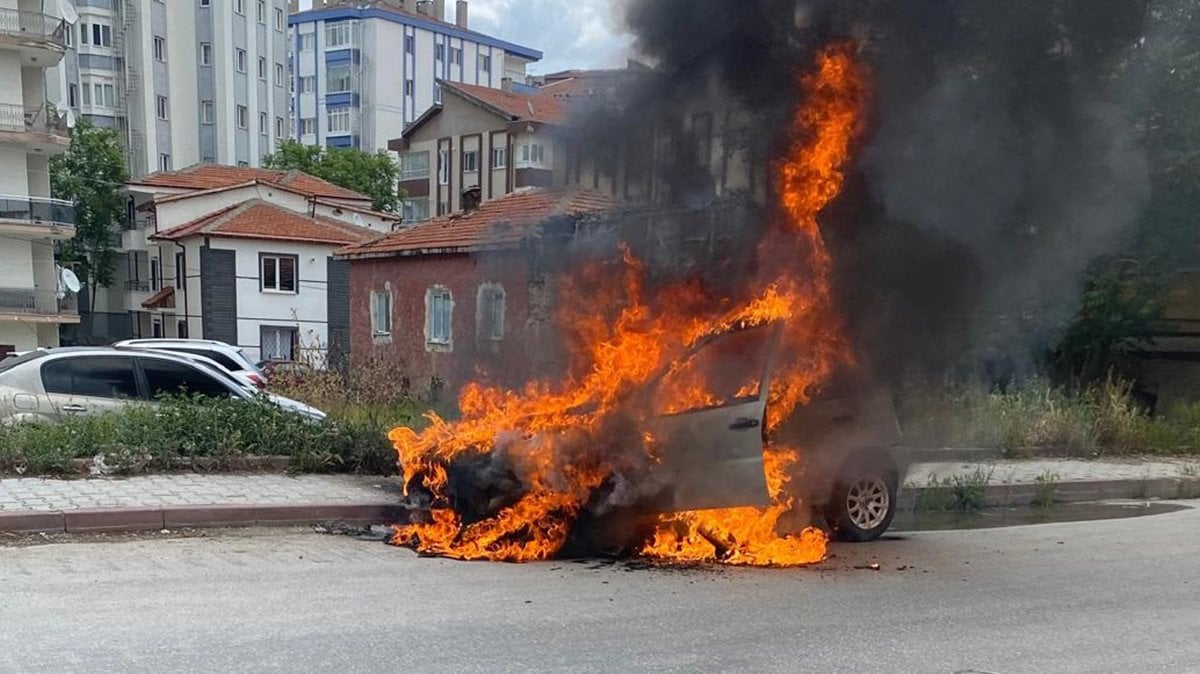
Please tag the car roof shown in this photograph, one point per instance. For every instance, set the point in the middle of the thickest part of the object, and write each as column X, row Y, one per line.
column 190, row 343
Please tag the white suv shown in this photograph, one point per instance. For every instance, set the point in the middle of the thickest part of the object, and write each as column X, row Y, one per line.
column 230, row 357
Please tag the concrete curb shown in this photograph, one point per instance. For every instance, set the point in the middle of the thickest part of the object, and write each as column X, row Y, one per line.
column 155, row 518
column 1022, row 494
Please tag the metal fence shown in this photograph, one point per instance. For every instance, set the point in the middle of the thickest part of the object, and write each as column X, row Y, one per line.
column 37, row 209
column 40, row 119
column 37, row 301
column 33, row 24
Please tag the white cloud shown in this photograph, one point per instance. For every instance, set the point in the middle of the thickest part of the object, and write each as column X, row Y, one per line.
column 570, row 33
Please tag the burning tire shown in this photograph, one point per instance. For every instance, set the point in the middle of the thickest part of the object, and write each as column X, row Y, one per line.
column 863, row 505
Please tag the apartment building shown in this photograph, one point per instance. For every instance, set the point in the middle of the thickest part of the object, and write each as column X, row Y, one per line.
column 186, row 81
column 33, row 299
column 362, row 71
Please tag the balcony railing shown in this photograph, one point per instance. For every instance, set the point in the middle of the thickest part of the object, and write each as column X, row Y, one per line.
column 135, row 285
column 34, row 25
column 37, row 301
column 38, row 210
column 41, row 119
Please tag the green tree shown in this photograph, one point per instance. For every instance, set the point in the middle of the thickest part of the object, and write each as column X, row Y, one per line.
column 375, row 175
column 92, row 173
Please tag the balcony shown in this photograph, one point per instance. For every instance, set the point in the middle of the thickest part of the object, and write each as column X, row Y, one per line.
column 39, row 129
column 39, row 38
column 36, row 217
column 36, row 305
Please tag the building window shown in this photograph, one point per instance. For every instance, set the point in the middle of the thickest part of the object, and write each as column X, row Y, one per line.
column 439, row 312
column 339, row 34
column 278, row 273
column 443, row 208
column 277, row 342
column 485, row 63
column 205, row 3
column 410, row 44
column 308, row 126
column 307, row 40
column 499, row 157
column 181, row 330
column 95, row 34
column 263, row 123
column 338, row 121
column 239, row 6
column 156, row 327
column 262, row 68
column 455, row 56
column 160, row 106
column 381, row 313
column 437, row 94
column 439, row 52
column 206, row 112
column 241, row 60
column 155, row 275
column 443, row 167
column 180, row 264
column 243, row 117
column 308, row 84
column 73, row 95
column 414, row 165
column 533, row 153
column 87, row 94
column 279, row 130
column 279, row 74
column 470, row 161
column 69, row 40
column 205, row 54
column 262, row 12
column 279, row 19
column 415, row 210
column 489, row 318
column 164, row 162
column 99, row 94
column 160, row 49
column 337, row 78
column 409, row 87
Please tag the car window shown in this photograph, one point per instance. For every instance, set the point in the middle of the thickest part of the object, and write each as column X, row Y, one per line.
column 95, row 376
column 220, row 358
column 166, row 377
column 725, row 371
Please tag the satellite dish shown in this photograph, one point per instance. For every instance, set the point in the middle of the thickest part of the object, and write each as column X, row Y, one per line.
column 357, row 219
column 67, row 11
column 70, row 281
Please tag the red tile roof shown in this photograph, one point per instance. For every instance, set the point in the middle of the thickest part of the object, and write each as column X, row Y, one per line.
column 258, row 219
column 209, row 176
column 499, row 223
column 518, row 106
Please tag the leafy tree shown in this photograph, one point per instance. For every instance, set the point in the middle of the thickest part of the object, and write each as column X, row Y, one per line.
column 92, row 173
column 375, row 175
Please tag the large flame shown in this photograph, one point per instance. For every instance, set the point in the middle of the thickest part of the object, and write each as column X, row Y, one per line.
column 558, row 438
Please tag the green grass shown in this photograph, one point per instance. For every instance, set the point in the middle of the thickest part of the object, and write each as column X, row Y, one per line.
column 962, row 493
column 1045, row 485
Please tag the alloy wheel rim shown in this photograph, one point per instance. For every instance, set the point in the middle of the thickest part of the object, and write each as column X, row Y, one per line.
column 867, row 502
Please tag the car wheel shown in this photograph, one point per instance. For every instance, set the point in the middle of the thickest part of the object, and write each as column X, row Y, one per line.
column 863, row 506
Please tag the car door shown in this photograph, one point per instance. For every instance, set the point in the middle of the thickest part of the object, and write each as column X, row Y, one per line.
column 708, row 436
column 87, row 384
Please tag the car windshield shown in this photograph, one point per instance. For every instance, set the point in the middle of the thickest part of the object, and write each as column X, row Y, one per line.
column 13, row 361
column 725, row 370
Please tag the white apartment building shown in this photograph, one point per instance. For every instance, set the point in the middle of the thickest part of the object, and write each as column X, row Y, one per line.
column 186, row 81
column 362, row 71
column 33, row 303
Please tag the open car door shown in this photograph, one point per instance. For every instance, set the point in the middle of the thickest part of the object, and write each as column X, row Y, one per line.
column 709, row 432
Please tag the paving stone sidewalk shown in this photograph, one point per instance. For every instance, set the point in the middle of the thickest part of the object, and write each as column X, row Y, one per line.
column 1026, row 471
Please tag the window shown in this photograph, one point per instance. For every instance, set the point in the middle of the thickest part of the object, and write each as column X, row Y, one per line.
column 262, row 68
column 439, row 310
column 308, row 84
column 443, row 167
column 205, row 54
column 241, row 60
column 72, row 95
column 278, row 19
column 437, row 94
column 262, row 11
column 485, row 63
column 180, row 263
column 181, row 329
column 279, row 74
column 242, row 117
column 414, row 165
column 167, row 377
column 155, row 275
column 443, row 208
column 280, row 132
column 499, row 157
column 455, row 55
column 307, row 40
column 338, row 34
column 533, row 153
column 239, row 6
column 410, row 44
column 277, row 342
column 439, row 52
column 489, row 317
column 205, row 3
column 160, row 106
column 100, row 33
column 94, row 376
column 263, row 123
column 337, row 78
column 414, row 210
column 164, row 162
column 308, row 126
column 83, row 33
column 338, row 121
column 278, row 273
column 69, row 40
column 160, row 49
column 381, row 313
column 409, row 87
column 87, row 94
column 206, row 112
column 470, row 161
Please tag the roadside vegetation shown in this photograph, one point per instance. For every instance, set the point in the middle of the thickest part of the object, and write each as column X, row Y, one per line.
column 1103, row 419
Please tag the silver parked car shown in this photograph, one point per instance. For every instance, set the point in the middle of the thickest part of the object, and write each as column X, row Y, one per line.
column 51, row 384
column 230, row 357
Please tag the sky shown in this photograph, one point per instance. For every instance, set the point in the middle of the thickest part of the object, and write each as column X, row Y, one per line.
column 570, row 33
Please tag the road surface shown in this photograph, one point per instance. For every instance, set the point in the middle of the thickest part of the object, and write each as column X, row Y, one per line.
column 1117, row 595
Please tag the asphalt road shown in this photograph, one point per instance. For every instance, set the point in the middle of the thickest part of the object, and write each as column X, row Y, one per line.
column 1116, row 595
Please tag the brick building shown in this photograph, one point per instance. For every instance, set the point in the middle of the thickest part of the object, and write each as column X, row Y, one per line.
column 456, row 297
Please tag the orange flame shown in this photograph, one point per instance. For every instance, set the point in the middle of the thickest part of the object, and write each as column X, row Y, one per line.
column 552, row 436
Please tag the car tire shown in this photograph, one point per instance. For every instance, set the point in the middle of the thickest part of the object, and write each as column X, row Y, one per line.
column 863, row 505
